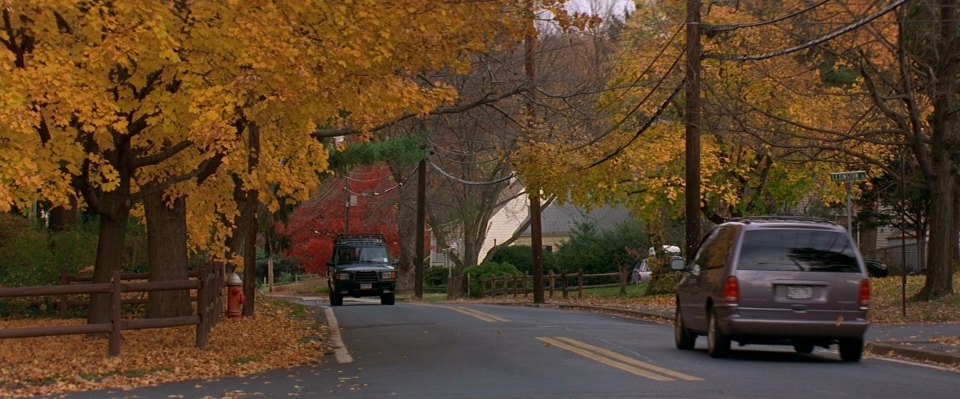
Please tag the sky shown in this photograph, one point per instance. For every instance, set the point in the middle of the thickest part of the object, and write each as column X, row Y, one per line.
column 616, row 6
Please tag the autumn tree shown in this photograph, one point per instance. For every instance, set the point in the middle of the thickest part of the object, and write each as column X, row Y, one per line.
column 896, row 73
column 189, row 103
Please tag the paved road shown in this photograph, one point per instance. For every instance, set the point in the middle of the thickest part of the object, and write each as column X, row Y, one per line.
column 477, row 351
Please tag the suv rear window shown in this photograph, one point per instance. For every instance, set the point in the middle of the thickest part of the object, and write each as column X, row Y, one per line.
column 797, row 250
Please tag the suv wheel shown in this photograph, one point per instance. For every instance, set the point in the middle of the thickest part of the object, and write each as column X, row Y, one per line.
column 387, row 299
column 718, row 345
column 851, row 349
column 335, row 300
column 683, row 338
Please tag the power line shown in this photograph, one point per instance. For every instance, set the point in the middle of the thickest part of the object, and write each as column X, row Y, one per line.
column 640, row 131
column 637, row 107
column 346, row 186
column 848, row 28
column 726, row 28
column 472, row 183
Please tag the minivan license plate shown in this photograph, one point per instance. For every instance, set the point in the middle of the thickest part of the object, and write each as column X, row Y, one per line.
column 797, row 292
column 366, row 286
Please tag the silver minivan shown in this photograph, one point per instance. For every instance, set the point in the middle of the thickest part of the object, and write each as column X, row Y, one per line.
column 774, row 280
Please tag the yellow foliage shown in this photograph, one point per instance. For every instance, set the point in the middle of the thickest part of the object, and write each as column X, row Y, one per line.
column 109, row 89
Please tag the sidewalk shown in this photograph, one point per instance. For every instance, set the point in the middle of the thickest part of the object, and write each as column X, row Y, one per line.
column 911, row 341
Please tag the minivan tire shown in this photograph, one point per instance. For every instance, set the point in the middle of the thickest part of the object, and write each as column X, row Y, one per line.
column 803, row 348
column 683, row 338
column 851, row 349
column 718, row 345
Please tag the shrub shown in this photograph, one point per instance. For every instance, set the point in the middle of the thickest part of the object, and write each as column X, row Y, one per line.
column 32, row 256
column 486, row 270
column 594, row 251
column 435, row 277
column 284, row 269
column 520, row 256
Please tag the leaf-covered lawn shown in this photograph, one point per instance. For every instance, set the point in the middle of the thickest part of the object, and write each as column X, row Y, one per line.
column 280, row 335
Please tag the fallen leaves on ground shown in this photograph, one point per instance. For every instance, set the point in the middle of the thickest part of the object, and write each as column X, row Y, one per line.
column 279, row 335
column 887, row 305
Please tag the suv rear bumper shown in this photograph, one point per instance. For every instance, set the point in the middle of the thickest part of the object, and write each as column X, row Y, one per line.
column 733, row 325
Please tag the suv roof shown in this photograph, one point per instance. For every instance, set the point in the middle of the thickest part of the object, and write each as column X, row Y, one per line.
column 360, row 239
column 783, row 219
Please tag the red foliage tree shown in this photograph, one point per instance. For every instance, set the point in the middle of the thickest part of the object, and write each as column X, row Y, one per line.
column 314, row 225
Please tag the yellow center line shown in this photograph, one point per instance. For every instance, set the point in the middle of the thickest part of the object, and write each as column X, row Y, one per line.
column 607, row 361
column 629, row 360
column 480, row 315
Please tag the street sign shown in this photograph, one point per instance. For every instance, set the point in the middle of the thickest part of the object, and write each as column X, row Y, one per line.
column 848, row 176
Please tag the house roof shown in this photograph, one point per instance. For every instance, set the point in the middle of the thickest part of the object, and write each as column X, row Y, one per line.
column 562, row 219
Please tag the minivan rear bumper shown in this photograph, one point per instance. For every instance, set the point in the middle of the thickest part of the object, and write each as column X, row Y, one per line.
column 733, row 325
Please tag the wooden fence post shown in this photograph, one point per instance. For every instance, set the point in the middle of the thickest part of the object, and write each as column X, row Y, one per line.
column 580, row 285
column 553, row 282
column 64, row 280
column 563, row 284
column 115, row 315
column 623, row 280
column 515, row 286
column 482, row 287
column 525, row 278
column 203, row 305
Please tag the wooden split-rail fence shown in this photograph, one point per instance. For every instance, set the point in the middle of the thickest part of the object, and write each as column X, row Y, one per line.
column 208, row 285
column 519, row 284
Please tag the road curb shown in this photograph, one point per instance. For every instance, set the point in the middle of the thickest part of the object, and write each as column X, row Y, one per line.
column 910, row 350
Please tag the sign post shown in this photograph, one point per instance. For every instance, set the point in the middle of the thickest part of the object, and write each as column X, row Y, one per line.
column 848, row 178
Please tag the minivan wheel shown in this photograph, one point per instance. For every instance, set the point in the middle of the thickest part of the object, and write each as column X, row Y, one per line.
column 804, row 348
column 718, row 345
column 683, row 338
column 851, row 349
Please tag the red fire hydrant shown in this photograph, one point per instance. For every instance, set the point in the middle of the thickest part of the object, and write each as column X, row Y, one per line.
column 234, row 295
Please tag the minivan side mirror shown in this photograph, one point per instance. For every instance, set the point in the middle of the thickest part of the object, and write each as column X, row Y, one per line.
column 678, row 264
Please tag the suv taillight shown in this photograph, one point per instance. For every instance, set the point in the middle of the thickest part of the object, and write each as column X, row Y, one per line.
column 731, row 290
column 864, row 293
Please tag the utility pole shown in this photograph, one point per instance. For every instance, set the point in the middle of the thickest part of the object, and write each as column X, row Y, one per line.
column 692, row 121
column 536, row 236
column 421, row 226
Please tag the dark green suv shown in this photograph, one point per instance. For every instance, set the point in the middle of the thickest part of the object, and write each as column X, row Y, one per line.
column 361, row 267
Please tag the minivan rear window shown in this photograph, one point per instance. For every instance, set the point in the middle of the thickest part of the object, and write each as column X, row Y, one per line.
column 797, row 250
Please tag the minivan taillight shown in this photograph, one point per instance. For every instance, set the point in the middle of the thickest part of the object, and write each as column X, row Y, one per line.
column 864, row 293
column 731, row 290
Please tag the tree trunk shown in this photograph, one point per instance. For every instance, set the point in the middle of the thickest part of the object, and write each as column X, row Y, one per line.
column 939, row 282
column 250, row 253
column 955, row 241
column 242, row 244
column 407, row 227
column 110, row 249
column 62, row 217
column 167, row 254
